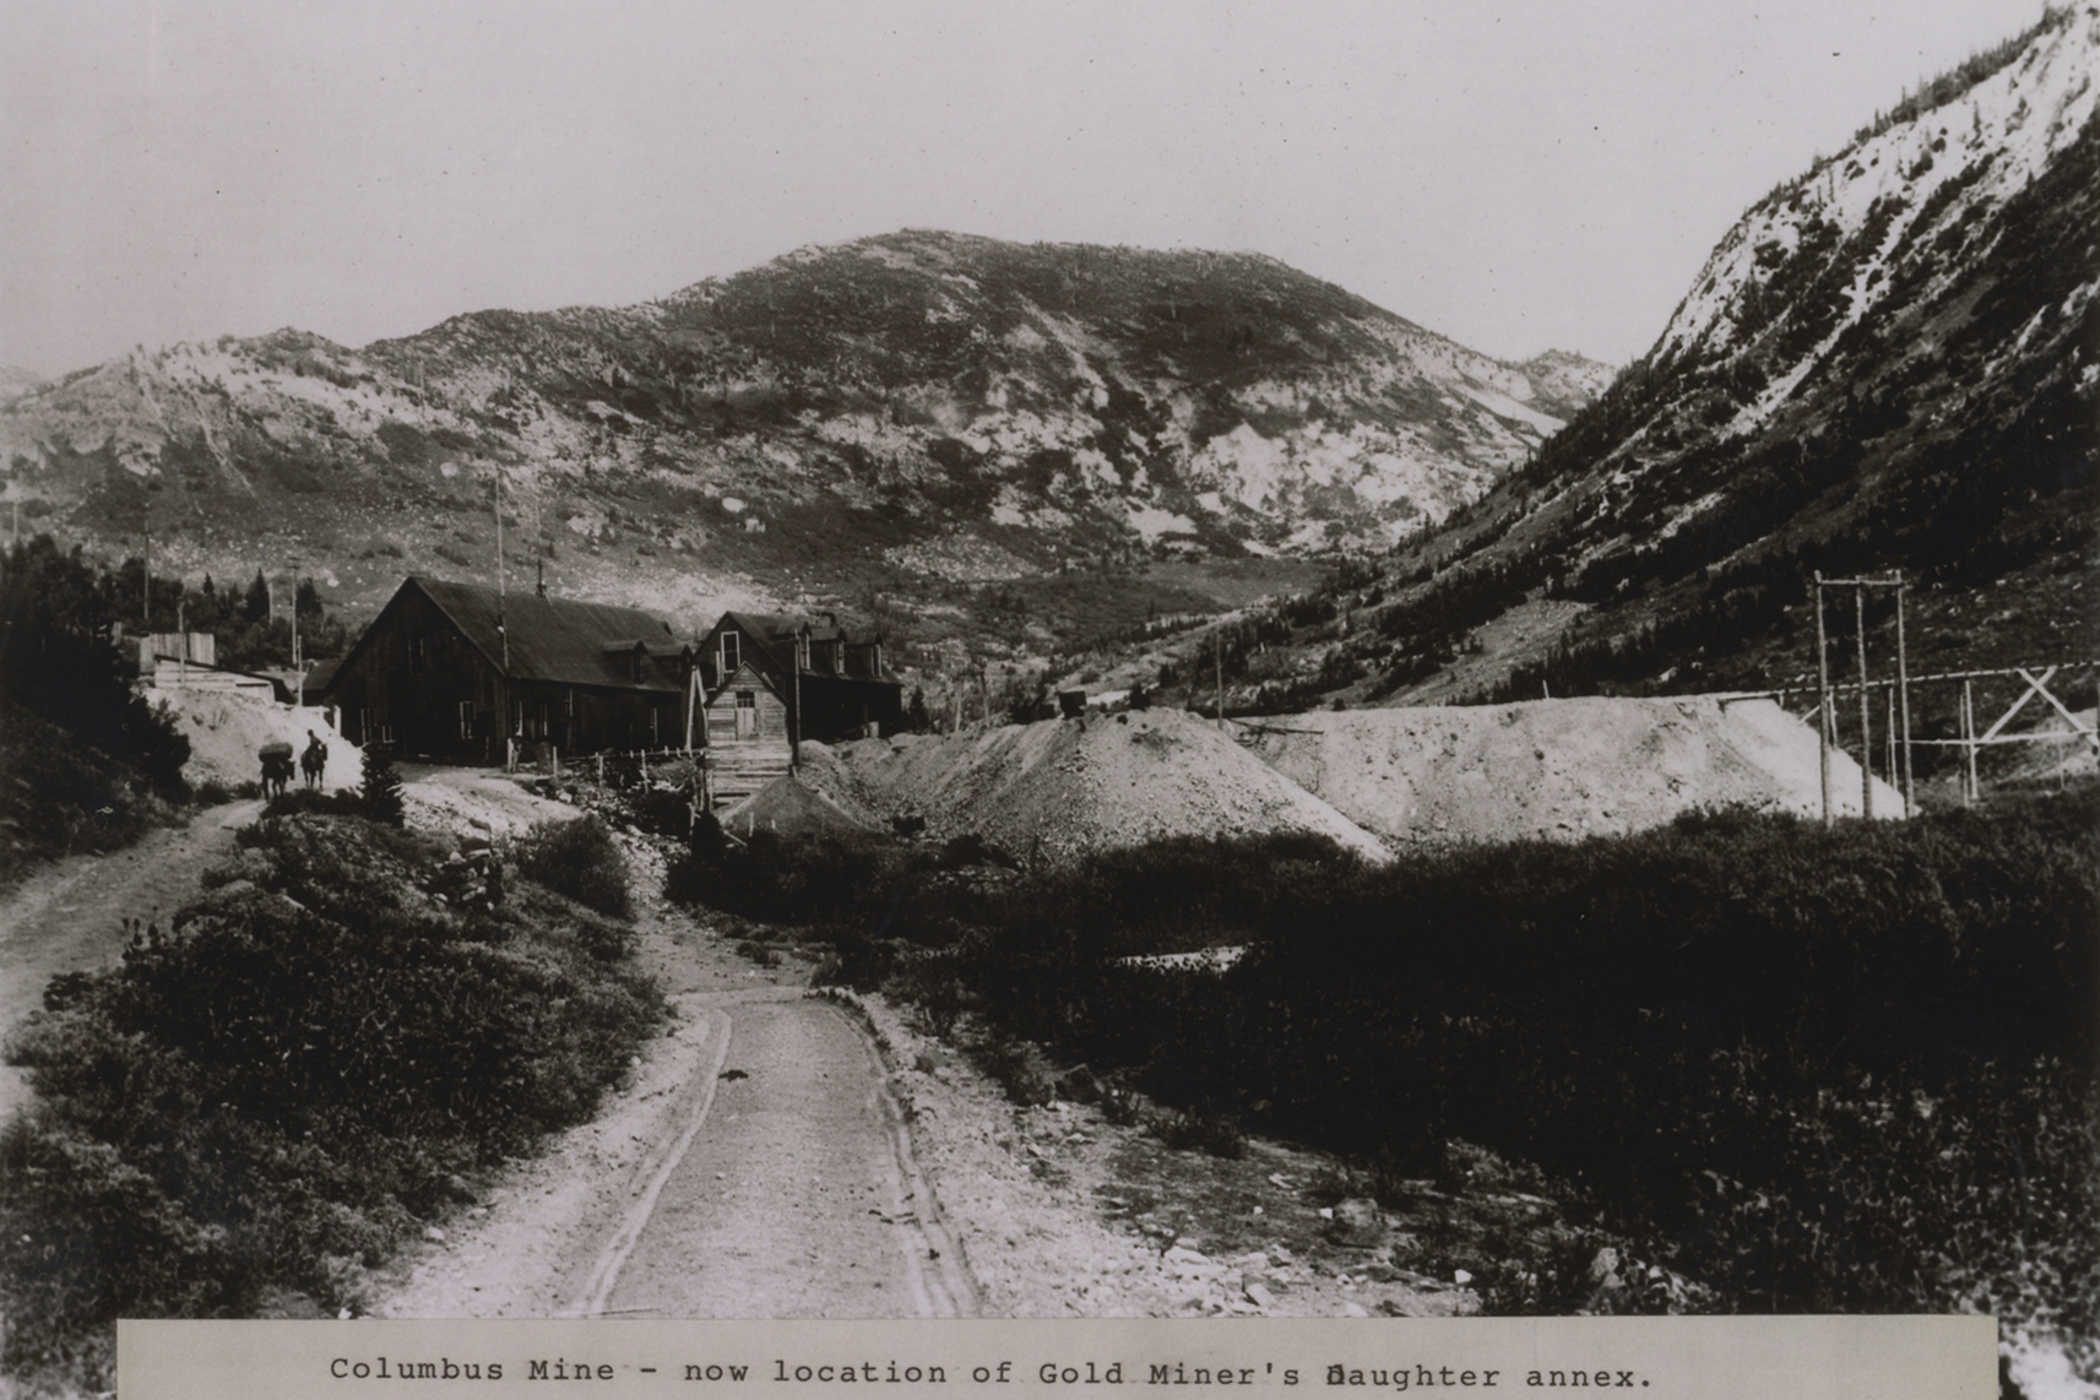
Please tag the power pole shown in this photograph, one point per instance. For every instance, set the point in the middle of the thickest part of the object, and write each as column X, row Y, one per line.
column 1910, row 795
column 298, row 672
column 501, row 630
column 1822, row 699
column 1866, row 737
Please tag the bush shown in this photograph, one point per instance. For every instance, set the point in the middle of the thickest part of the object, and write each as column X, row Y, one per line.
column 581, row 860
column 1218, row 1134
column 381, row 789
column 278, row 1088
column 1815, row 1068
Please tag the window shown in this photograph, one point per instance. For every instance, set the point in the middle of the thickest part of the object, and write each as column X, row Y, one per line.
column 466, row 720
column 730, row 660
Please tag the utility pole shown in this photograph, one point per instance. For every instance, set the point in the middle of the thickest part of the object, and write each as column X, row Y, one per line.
column 1910, row 794
column 298, row 671
column 1866, row 737
column 501, row 630
column 1218, row 658
column 1822, row 699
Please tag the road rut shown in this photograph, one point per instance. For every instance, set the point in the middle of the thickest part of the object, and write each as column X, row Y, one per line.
column 790, row 1191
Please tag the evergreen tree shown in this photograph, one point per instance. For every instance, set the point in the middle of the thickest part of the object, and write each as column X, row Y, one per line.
column 917, row 720
column 382, row 786
column 255, row 608
column 308, row 600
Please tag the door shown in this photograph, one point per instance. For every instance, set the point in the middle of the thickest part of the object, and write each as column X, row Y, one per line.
column 747, row 714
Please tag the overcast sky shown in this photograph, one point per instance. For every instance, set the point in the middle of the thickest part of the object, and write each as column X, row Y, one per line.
column 1518, row 174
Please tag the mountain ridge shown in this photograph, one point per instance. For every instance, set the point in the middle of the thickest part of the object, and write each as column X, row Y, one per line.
column 912, row 406
column 1889, row 362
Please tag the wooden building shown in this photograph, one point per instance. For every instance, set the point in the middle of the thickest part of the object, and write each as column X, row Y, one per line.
column 767, row 681
column 455, row 670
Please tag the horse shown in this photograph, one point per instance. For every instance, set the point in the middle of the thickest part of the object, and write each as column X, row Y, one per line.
column 314, row 761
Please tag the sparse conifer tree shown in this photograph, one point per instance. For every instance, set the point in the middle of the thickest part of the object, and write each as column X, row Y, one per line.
column 382, row 786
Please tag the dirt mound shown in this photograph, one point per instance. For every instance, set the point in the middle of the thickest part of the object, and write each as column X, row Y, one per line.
column 1058, row 789
column 225, row 728
column 1555, row 769
column 792, row 808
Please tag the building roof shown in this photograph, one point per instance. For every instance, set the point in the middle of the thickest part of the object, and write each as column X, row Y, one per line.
column 773, row 636
column 322, row 676
column 562, row 639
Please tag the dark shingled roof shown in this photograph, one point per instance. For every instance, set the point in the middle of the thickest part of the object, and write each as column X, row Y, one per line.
column 560, row 639
column 774, row 634
column 321, row 677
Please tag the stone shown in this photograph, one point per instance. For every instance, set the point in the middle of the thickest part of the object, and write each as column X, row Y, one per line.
column 1260, row 1296
column 1357, row 1221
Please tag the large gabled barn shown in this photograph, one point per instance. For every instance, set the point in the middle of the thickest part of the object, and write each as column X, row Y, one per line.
column 455, row 670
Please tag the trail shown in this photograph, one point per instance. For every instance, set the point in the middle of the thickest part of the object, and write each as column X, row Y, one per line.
column 755, row 1164
column 66, row 918
column 792, row 1192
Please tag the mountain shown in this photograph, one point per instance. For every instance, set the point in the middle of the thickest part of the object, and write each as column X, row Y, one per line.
column 904, row 412
column 1891, row 361
column 15, row 382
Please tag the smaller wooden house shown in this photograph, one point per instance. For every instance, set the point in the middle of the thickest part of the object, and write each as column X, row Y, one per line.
column 768, row 681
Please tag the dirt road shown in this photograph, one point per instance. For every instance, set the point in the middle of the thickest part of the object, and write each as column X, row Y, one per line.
column 792, row 1192
column 67, row 918
column 755, row 1164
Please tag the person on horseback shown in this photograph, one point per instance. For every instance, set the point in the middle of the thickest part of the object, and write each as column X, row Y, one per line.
column 314, row 761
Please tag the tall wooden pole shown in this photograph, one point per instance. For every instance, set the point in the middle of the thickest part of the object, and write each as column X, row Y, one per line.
column 1910, row 787
column 1888, row 728
column 1823, row 715
column 1219, row 657
column 1968, row 725
column 1866, row 733
column 503, row 631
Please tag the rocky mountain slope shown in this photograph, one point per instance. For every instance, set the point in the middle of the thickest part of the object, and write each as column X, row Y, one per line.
column 1890, row 362
column 921, row 406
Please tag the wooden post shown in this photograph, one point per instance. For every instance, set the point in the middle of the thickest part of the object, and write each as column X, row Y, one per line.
column 1970, row 792
column 795, row 715
column 1889, row 728
column 1866, row 733
column 1219, row 656
column 1910, row 787
column 1823, row 715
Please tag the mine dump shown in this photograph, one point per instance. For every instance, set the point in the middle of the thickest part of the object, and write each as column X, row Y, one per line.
column 1556, row 769
column 1056, row 790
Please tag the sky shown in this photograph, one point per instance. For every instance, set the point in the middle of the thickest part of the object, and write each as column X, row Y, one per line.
column 1517, row 174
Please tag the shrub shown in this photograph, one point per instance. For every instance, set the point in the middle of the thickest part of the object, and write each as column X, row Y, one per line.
column 273, row 1092
column 1019, row 1068
column 1815, row 1068
column 1218, row 1134
column 381, row 789
column 581, row 860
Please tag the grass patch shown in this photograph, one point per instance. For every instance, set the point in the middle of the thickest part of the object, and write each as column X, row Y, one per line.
column 265, row 1098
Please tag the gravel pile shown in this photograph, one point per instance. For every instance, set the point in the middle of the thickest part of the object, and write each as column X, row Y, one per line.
column 1056, row 790
column 1555, row 769
column 792, row 806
